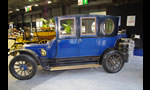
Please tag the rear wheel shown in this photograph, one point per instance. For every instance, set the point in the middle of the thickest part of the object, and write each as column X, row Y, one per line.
column 23, row 67
column 112, row 61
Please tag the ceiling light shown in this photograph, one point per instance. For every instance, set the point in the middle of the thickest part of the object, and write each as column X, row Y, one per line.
column 10, row 11
column 30, row 0
column 36, row 5
column 17, row 9
column 49, row 2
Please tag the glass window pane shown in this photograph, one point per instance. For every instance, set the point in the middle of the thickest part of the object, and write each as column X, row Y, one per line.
column 88, row 26
column 67, row 27
column 108, row 26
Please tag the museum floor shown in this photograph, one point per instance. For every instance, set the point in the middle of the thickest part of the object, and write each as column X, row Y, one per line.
column 129, row 78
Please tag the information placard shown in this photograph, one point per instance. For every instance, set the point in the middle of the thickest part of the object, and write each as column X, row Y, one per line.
column 131, row 20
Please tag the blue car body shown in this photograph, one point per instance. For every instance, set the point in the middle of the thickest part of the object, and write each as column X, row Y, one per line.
column 78, row 45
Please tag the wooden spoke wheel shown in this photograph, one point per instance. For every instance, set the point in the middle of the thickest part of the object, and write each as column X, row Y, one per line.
column 23, row 67
column 112, row 61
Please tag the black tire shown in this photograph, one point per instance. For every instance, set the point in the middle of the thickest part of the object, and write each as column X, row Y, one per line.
column 22, row 63
column 112, row 61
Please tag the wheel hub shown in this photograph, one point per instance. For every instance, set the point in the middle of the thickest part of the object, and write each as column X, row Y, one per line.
column 113, row 61
column 23, row 67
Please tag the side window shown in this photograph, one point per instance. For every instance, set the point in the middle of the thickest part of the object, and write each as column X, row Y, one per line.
column 108, row 26
column 67, row 27
column 88, row 26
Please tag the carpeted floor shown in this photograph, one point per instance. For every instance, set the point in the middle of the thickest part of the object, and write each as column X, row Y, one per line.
column 129, row 78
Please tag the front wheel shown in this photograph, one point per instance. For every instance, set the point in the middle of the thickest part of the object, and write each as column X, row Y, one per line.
column 23, row 67
column 112, row 61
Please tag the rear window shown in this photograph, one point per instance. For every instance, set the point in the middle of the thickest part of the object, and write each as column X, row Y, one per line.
column 108, row 26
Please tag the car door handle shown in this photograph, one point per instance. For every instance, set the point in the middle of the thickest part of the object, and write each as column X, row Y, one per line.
column 59, row 41
column 80, row 40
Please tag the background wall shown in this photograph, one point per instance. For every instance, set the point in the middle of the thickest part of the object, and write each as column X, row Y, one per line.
column 127, row 10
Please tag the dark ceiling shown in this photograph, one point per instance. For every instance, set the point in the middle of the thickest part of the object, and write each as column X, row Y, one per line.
column 20, row 4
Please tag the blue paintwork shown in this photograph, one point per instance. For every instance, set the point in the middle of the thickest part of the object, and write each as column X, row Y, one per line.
column 67, row 48
column 36, row 48
column 78, row 45
column 50, row 48
column 105, row 43
column 95, row 46
column 122, row 36
column 83, row 47
column 138, row 52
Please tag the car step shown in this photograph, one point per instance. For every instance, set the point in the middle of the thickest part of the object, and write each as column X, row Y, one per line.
column 74, row 67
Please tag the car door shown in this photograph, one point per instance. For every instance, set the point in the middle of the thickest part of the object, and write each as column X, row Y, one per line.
column 88, row 36
column 67, row 42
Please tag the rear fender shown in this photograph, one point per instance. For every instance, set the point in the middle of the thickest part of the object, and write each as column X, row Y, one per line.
column 124, row 55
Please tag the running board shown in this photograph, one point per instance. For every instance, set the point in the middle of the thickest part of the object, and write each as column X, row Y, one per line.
column 74, row 67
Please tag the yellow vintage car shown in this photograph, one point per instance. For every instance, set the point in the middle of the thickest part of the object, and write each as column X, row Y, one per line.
column 42, row 36
column 38, row 37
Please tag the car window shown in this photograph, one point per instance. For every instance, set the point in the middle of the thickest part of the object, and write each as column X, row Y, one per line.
column 108, row 26
column 67, row 27
column 88, row 26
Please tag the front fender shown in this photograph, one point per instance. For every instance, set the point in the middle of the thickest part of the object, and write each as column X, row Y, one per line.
column 30, row 53
column 21, row 50
column 25, row 51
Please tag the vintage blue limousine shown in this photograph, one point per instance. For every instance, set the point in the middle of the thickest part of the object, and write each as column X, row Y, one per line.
column 82, row 41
